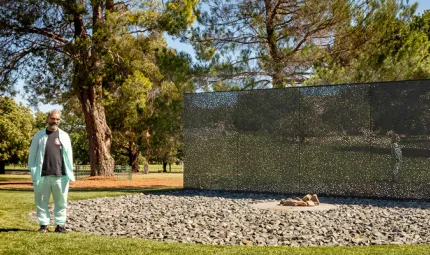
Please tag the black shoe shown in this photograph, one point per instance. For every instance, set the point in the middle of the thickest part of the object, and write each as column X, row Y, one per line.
column 43, row 229
column 60, row 229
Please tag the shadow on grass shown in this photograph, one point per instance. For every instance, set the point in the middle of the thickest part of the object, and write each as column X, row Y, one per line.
column 12, row 230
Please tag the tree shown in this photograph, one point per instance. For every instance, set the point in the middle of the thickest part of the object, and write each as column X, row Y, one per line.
column 127, row 109
column 40, row 120
column 16, row 128
column 130, row 102
column 166, row 123
column 65, row 49
column 139, row 110
column 258, row 44
column 166, row 126
column 384, row 43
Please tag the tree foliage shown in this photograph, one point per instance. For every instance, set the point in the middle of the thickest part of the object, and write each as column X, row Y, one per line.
column 245, row 44
column 384, row 43
column 16, row 129
column 258, row 44
column 166, row 125
column 40, row 120
column 148, row 102
column 166, row 122
column 145, row 76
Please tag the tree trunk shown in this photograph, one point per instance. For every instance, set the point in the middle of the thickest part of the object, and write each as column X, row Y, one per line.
column 145, row 141
column 2, row 167
column 276, row 72
column 133, row 156
column 87, row 83
column 146, row 168
column 99, row 134
column 164, row 166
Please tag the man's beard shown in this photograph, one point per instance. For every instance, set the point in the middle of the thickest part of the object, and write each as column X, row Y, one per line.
column 53, row 126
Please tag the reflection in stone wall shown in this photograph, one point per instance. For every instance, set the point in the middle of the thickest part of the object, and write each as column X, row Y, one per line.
column 359, row 140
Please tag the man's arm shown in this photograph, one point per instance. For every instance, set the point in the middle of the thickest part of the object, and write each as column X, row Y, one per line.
column 69, row 151
column 33, row 152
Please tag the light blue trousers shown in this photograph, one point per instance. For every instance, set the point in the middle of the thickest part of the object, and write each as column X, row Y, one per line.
column 59, row 187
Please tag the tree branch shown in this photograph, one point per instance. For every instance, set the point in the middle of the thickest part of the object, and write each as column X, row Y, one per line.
column 35, row 30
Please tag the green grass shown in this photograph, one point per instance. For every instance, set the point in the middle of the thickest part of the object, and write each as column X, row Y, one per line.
column 16, row 168
column 18, row 236
column 10, row 177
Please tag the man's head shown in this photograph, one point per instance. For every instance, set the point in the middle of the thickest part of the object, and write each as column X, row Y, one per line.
column 53, row 119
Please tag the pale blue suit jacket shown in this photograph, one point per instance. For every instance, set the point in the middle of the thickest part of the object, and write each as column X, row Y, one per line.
column 37, row 154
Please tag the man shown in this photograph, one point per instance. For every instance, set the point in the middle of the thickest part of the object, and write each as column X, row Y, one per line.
column 51, row 165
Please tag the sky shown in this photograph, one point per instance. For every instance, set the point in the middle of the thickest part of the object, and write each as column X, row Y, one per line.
column 422, row 5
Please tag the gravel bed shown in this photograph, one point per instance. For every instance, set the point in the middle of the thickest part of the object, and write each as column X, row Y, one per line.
column 222, row 218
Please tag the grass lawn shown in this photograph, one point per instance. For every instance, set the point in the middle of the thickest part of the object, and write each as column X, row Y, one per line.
column 12, row 177
column 18, row 235
column 15, row 168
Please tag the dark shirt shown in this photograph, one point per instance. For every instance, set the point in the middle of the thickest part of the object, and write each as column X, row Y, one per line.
column 53, row 161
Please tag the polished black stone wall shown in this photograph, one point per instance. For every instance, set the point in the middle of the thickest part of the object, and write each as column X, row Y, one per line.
column 354, row 140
